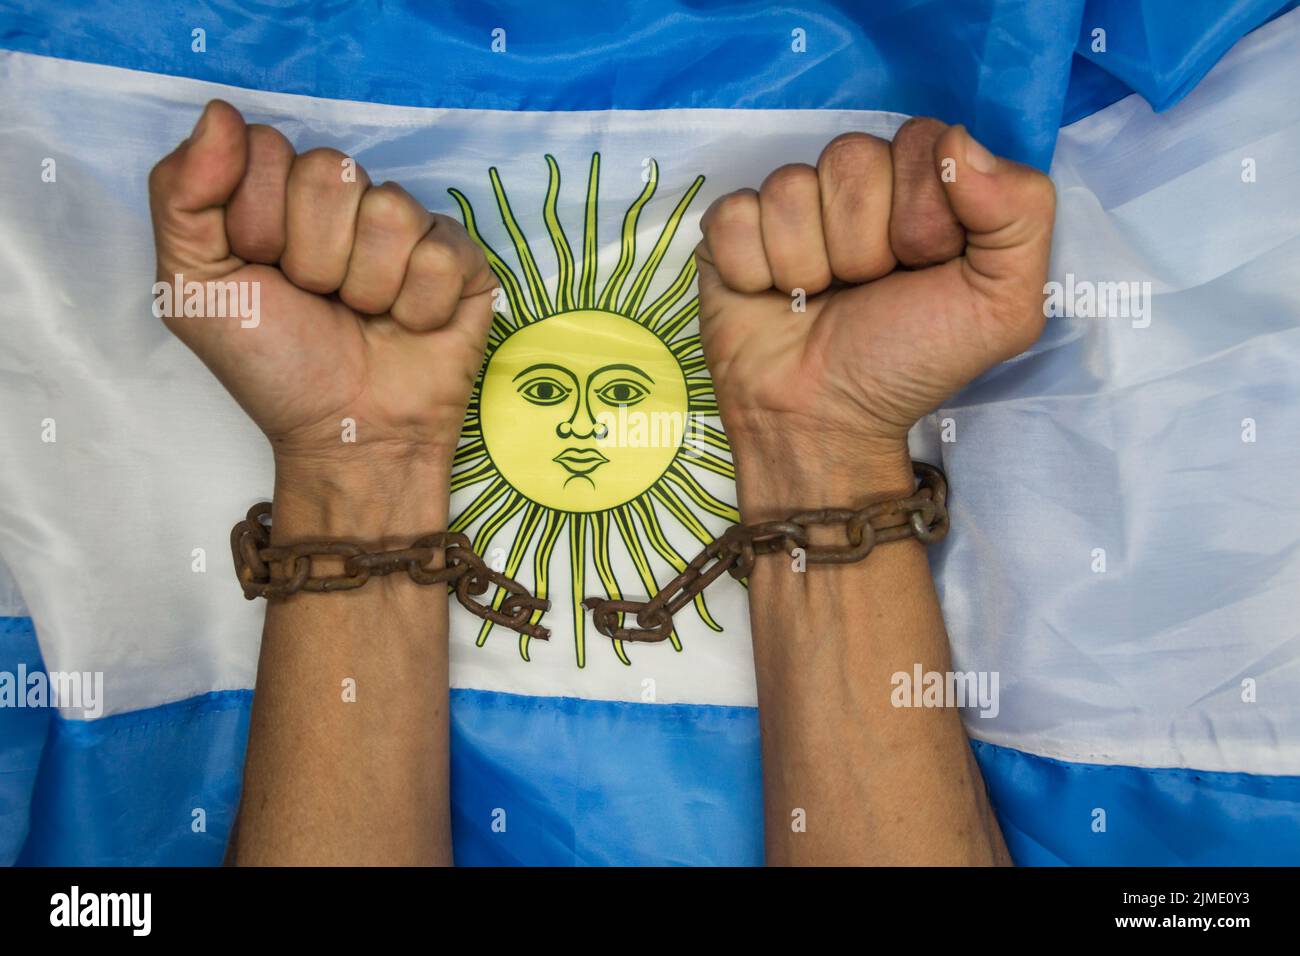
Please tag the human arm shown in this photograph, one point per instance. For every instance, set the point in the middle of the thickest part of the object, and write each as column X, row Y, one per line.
column 372, row 316
column 922, row 263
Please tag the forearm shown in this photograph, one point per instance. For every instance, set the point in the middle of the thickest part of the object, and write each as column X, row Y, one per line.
column 348, row 743
column 849, row 778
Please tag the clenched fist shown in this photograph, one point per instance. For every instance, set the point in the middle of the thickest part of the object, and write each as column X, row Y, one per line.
column 922, row 262
column 371, row 308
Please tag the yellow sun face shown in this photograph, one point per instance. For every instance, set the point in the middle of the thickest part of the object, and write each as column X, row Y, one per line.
column 594, row 415
column 579, row 410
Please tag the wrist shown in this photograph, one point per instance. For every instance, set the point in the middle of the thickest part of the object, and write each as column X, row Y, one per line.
column 384, row 500
column 777, row 475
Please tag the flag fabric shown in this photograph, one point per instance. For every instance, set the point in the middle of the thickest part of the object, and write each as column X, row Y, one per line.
column 1123, row 550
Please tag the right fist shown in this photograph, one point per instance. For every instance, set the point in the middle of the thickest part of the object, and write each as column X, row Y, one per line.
column 371, row 308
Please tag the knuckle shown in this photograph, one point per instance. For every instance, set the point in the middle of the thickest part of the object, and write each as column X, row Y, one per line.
column 914, row 144
column 734, row 209
column 861, row 262
column 926, row 237
column 257, row 241
column 731, row 215
column 323, row 168
column 389, row 206
column 450, row 229
column 792, row 181
column 925, row 128
column 850, row 156
column 478, row 264
column 435, row 260
column 309, row 277
column 268, row 139
column 362, row 299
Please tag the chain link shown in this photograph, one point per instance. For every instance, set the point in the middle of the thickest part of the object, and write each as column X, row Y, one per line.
column 464, row 571
column 923, row 515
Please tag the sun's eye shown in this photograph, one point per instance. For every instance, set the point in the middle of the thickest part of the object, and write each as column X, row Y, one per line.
column 544, row 391
column 622, row 392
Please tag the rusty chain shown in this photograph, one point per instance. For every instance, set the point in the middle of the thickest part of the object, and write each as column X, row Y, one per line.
column 464, row 571
column 922, row 515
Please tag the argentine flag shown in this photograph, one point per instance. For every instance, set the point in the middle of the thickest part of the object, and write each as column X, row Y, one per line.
column 1124, row 550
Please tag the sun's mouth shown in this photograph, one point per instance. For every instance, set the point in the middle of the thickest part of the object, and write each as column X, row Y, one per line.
column 580, row 461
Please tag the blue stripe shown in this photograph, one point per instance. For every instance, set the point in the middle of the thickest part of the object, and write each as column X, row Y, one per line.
column 603, row 782
column 1159, row 49
column 156, row 787
column 1000, row 66
column 1055, row 812
column 599, row 782
column 1012, row 70
column 22, row 738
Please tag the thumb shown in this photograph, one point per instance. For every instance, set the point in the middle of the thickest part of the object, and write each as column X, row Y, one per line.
column 188, row 190
column 1007, row 210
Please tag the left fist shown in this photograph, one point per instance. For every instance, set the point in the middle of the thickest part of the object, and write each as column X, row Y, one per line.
column 922, row 262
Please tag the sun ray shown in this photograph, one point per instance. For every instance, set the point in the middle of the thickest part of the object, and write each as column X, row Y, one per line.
column 682, row 512
column 485, row 500
column 684, row 480
column 680, row 320
column 516, row 556
column 709, row 462
column 587, row 285
column 656, row 310
column 563, row 253
column 706, row 433
column 694, row 364
column 578, row 571
column 600, row 554
column 627, row 250
column 641, row 285
column 704, row 406
column 498, row 520
column 703, row 400
column 626, row 531
column 472, row 476
column 532, row 275
column 514, row 293
column 659, row 541
column 687, row 345
column 542, row 568
column 471, row 452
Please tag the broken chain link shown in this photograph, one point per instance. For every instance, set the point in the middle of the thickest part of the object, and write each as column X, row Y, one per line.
column 464, row 571
column 923, row 515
